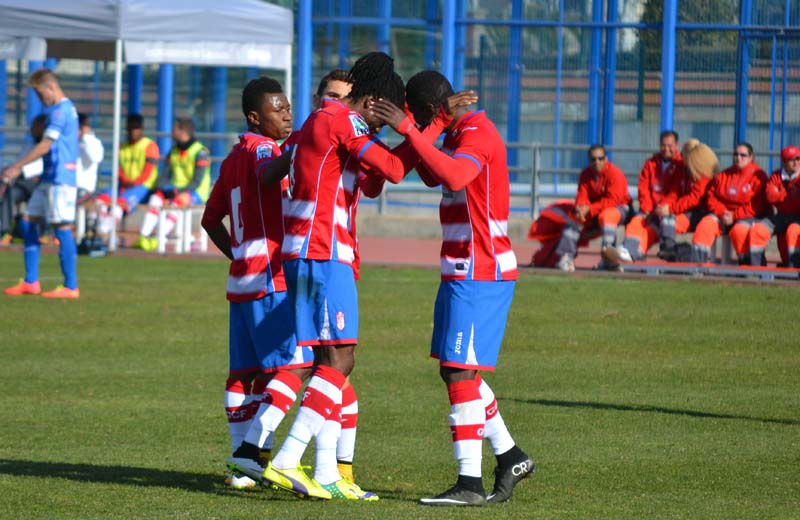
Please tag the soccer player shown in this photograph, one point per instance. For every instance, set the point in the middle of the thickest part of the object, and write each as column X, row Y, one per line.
column 318, row 254
column 479, row 270
column 55, row 196
column 335, row 85
column 263, row 349
column 185, row 181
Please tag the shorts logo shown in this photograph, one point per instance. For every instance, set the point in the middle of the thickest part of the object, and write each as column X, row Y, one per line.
column 360, row 126
column 459, row 340
column 340, row 320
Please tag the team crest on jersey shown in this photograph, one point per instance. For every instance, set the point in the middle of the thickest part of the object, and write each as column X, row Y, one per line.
column 340, row 320
column 264, row 151
column 360, row 126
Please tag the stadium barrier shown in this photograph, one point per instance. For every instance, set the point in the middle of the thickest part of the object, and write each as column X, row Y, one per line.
column 182, row 237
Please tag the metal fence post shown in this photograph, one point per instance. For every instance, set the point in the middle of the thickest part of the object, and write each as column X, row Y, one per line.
column 535, row 165
column 382, row 202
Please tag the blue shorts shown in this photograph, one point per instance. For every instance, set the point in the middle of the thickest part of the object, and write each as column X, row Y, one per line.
column 170, row 192
column 133, row 195
column 469, row 321
column 262, row 336
column 323, row 296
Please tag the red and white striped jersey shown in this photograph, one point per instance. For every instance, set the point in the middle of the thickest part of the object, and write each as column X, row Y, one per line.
column 475, row 219
column 255, row 213
column 320, row 218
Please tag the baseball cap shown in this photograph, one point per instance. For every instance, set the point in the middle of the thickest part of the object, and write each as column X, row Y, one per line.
column 790, row 152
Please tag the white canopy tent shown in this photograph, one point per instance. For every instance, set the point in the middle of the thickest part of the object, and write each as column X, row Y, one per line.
column 248, row 33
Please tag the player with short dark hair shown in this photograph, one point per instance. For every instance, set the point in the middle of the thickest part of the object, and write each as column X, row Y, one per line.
column 479, row 271
column 263, row 347
column 319, row 250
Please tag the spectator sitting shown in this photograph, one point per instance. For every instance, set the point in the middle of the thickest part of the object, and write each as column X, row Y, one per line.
column 736, row 199
column 682, row 204
column 602, row 203
column 138, row 171
column 186, row 180
column 20, row 191
column 643, row 229
column 783, row 191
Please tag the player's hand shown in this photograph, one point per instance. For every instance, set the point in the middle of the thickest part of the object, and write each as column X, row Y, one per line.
column 390, row 114
column 10, row 173
column 662, row 210
column 727, row 218
column 182, row 199
column 581, row 211
column 458, row 100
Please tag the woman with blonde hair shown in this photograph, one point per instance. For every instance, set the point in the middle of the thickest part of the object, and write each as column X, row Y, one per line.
column 685, row 202
column 680, row 209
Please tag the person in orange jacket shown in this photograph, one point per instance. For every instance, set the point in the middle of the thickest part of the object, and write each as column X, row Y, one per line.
column 602, row 203
column 643, row 229
column 680, row 207
column 736, row 198
column 783, row 191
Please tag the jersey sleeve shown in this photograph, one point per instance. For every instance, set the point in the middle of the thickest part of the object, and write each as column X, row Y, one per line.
column 776, row 193
column 56, row 122
column 371, row 185
column 456, row 171
column 353, row 133
column 645, row 197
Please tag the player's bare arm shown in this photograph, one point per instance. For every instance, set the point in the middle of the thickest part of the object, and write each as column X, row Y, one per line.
column 276, row 170
column 14, row 170
column 221, row 238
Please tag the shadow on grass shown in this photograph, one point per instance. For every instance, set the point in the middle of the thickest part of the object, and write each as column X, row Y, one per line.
column 125, row 475
column 148, row 477
column 647, row 408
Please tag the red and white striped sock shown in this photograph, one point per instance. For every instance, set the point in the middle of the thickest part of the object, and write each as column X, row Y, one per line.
column 346, row 447
column 279, row 396
column 495, row 430
column 149, row 222
column 467, row 419
column 326, row 470
column 322, row 395
column 238, row 409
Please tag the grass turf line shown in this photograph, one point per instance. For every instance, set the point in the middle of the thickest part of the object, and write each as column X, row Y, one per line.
column 638, row 399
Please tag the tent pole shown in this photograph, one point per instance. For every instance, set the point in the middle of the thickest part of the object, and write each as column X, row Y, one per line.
column 112, row 242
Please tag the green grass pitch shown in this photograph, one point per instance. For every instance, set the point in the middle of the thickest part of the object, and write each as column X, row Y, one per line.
column 637, row 399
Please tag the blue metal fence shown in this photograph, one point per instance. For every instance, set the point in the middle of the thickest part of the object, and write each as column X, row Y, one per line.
column 560, row 72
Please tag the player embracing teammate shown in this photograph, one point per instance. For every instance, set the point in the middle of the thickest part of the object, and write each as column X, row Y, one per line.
column 319, row 266
column 479, row 270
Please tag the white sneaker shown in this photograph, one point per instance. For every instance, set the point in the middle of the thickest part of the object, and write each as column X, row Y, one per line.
column 613, row 256
column 566, row 263
column 239, row 481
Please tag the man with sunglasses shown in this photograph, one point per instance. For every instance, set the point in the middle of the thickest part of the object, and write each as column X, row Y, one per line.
column 602, row 203
column 783, row 192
